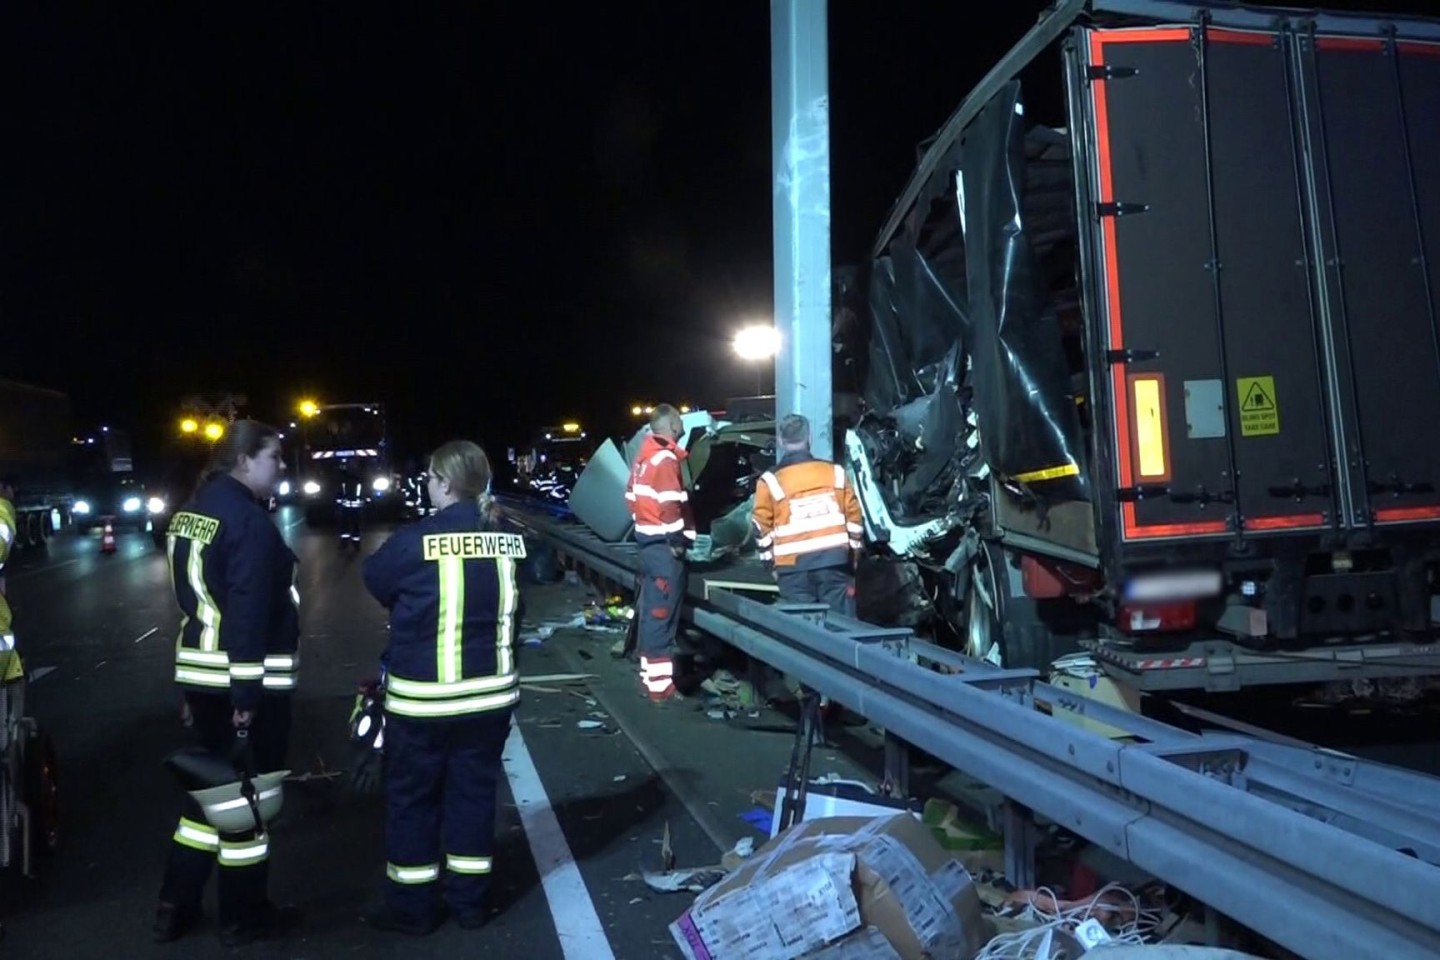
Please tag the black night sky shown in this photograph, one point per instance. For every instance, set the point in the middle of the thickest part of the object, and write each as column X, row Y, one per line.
column 487, row 216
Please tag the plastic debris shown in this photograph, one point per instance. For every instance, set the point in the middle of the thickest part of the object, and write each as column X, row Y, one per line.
column 759, row 818
column 693, row 880
column 609, row 617
column 667, row 853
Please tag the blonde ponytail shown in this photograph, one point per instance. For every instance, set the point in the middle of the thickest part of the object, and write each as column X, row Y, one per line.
column 490, row 518
column 466, row 468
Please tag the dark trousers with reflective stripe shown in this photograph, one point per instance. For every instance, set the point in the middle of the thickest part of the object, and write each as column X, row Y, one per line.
column 833, row 586
column 242, row 879
column 441, row 778
column 662, row 587
column 349, row 522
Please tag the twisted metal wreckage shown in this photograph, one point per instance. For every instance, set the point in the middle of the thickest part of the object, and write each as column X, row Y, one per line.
column 1115, row 393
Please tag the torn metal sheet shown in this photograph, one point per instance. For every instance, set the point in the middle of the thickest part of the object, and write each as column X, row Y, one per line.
column 1019, row 377
column 598, row 499
column 968, row 369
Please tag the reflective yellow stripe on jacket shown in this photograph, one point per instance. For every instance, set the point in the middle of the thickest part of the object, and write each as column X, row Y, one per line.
column 453, row 694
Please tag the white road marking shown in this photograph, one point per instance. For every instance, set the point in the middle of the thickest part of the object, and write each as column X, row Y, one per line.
column 148, row 633
column 578, row 925
column 20, row 574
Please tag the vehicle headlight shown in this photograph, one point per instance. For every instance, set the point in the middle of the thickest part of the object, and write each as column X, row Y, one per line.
column 311, row 487
column 155, row 505
column 284, row 488
column 80, row 507
column 381, row 484
column 131, row 504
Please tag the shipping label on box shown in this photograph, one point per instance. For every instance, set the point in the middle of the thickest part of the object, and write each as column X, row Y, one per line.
column 821, row 881
column 867, row 944
column 930, row 914
column 779, row 916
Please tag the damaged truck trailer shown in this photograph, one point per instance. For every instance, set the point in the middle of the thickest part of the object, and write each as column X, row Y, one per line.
column 1161, row 381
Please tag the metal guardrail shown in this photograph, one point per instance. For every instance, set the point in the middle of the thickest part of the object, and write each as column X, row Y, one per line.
column 1327, row 855
column 529, row 503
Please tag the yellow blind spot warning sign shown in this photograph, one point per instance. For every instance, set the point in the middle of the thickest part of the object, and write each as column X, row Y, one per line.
column 1259, row 407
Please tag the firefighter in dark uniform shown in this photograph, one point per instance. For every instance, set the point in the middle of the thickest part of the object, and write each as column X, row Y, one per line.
column 236, row 661
column 450, row 686
column 350, row 504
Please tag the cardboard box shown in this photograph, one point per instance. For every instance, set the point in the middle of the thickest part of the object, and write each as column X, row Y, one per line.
column 865, row 944
column 822, row 880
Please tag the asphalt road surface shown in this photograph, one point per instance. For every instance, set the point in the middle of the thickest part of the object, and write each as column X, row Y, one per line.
column 597, row 777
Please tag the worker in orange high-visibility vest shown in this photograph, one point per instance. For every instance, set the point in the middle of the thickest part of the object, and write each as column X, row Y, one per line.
column 9, row 531
column 808, row 523
column 664, row 532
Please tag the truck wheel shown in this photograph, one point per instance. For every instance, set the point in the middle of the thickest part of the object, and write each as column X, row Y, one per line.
column 984, row 615
column 1002, row 625
column 42, row 793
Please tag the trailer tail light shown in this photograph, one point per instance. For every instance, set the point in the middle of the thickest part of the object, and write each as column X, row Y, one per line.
column 1165, row 601
column 1044, row 578
column 1158, row 617
column 1151, row 438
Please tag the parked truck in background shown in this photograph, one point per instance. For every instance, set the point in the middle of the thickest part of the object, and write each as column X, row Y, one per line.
column 37, row 453
column 347, row 439
column 65, row 476
column 551, row 462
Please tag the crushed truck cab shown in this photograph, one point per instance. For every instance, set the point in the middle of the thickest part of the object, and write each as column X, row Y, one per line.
column 1161, row 381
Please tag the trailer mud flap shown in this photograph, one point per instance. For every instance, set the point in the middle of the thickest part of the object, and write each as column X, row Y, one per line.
column 1375, row 105
column 1215, row 360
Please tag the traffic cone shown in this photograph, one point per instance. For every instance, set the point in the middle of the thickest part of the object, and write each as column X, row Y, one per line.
column 107, row 542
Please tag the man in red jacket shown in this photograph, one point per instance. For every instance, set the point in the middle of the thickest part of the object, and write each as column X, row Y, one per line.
column 664, row 532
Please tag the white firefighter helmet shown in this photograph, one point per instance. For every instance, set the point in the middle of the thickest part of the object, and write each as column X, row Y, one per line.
column 228, row 811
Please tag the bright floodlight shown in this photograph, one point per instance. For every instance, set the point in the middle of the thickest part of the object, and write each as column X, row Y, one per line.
column 757, row 343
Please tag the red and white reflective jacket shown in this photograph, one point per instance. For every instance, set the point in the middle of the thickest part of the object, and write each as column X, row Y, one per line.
column 9, row 528
column 657, row 496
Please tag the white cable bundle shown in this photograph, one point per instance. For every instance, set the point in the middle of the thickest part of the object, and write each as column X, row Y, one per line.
column 1029, row 944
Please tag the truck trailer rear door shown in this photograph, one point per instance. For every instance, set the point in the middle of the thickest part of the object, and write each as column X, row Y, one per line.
column 1372, row 108
column 1214, row 358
